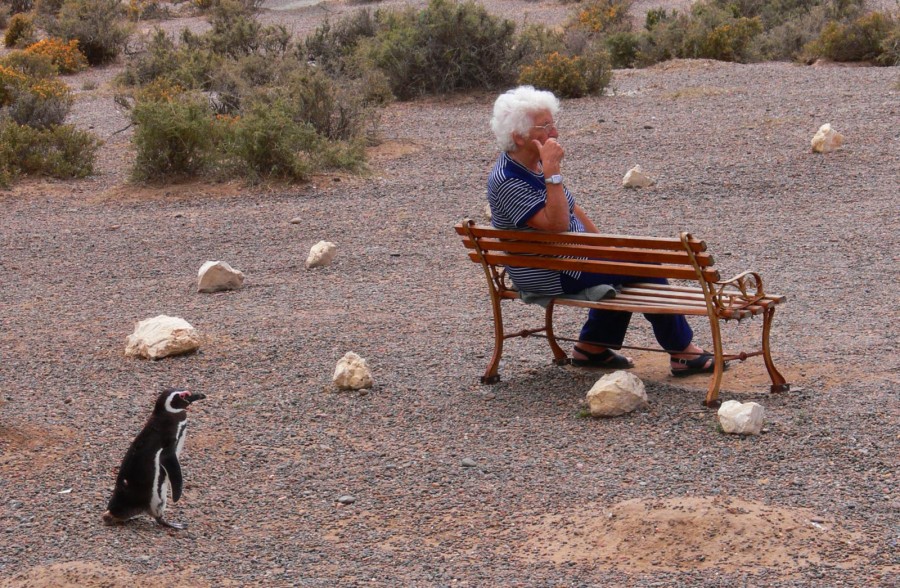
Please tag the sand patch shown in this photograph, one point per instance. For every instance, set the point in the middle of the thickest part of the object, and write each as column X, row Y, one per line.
column 26, row 450
column 693, row 533
column 751, row 377
column 389, row 150
column 83, row 574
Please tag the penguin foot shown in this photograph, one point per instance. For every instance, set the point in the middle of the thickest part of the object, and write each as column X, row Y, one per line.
column 110, row 519
column 165, row 523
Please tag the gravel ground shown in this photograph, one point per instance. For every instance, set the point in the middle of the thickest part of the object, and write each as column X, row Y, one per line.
column 655, row 498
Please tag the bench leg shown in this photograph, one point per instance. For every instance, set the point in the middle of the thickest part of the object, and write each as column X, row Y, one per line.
column 492, row 373
column 559, row 356
column 779, row 384
column 712, row 393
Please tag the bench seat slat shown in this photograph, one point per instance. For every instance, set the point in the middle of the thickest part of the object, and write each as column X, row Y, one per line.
column 584, row 238
column 596, row 266
column 614, row 304
column 598, row 253
column 769, row 298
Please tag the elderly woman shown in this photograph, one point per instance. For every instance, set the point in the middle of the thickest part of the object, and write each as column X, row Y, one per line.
column 526, row 191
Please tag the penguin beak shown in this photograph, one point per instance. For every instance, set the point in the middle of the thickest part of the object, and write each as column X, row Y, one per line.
column 194, row 397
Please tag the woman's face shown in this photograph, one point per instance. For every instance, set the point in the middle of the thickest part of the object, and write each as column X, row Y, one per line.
column 543, row 127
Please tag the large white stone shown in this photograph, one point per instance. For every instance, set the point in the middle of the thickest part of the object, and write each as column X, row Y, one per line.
column 321, row 254
column 741, row 419
column 616, row 393
column 352, row 373
column 636, row 178
column 826, row 139
column 215, row 276
column 160, row 336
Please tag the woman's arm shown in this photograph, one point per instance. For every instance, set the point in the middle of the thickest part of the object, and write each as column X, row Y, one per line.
column 555, row 215
column 589, row 225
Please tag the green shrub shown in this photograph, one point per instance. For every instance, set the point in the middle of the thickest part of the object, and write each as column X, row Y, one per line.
column 47, row 8
column 707, row 32
column 173, row 137
column 156, row 59
column 145, row 10
column 40, row 104
column 19, row 6
column 235, row 33
column 267, row 142
column 623, row 49
column 535, row 42
column 31, row 64
column 19, row 32
column 96, row 24
column 444, row 48
column 332, row 110
column 61, row 152
column 786, row 40
column 890, row 48
column 655, row 16
column 331, row 47
column 859, row 40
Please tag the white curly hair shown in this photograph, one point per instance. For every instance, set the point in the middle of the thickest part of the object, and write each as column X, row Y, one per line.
column 514, row 111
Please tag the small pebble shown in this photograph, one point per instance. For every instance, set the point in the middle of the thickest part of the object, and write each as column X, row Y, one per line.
column 468, row 463
column 346, row 499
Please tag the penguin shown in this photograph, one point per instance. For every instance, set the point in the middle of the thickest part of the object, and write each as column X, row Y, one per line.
column 151, row 462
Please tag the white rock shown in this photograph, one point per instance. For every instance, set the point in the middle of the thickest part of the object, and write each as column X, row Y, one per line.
column 487, row 211
column 741, row 419
column 352, row 373
column 826, row 139
column 218, row 275
column 636, row 178
column 321, row 254
column 616, row 393
column 160, row 336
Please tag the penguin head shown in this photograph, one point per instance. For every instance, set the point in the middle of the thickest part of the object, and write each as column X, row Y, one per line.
column 174, row 400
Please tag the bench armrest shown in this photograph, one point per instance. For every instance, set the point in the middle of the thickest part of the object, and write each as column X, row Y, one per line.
column 738, row 292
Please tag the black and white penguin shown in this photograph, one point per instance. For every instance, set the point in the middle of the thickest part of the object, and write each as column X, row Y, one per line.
column 152, row 462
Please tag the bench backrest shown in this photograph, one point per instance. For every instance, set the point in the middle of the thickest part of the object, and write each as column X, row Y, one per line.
column 684, row 258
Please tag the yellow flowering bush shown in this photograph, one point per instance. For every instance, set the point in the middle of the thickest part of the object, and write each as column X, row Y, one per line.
column 159, row 90
column 40, row 103
column 65, row 56
column 570, row 76
column 604, row 16
column 10, row 80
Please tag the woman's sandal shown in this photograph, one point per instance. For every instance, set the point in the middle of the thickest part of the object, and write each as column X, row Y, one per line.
column 696, row 365
column 608, row 359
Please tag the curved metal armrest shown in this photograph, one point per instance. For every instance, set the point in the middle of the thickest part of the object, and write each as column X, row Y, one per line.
column 742, row 290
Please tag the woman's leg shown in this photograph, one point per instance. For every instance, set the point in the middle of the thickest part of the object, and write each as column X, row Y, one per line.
column 604, row 329
column 672, row 331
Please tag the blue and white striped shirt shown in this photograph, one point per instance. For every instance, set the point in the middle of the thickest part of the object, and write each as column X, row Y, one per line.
column 515, row 194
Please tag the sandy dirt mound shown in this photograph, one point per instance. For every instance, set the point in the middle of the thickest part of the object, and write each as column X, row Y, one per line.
column 700, row 532
column 84, row 574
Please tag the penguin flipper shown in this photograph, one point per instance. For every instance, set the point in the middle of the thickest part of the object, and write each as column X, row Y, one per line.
column 169, row 461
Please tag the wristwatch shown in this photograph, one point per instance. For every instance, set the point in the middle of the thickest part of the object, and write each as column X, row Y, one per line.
column 554, row 179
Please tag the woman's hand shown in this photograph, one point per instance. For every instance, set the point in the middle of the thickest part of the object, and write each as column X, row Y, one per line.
column 552, row 154
column 555, row 215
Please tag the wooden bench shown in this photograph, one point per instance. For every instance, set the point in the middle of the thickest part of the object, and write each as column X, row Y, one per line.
column 684, row 259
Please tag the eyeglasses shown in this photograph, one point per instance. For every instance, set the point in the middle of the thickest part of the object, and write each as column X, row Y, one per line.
column 547, row 127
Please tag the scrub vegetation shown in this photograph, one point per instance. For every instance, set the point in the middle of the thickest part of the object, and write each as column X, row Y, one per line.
column 248, row 100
